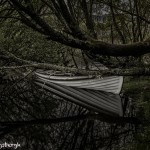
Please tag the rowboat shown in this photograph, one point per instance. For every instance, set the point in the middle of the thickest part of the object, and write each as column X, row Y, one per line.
column 98, row 94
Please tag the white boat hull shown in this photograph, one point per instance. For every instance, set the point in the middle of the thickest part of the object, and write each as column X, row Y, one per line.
column 100, row 95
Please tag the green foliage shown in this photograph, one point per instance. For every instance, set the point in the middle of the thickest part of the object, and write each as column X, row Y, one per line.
column 139, row 90
column 28, row 44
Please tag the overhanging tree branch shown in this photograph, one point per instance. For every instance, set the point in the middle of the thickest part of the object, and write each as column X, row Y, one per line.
column 92, row 47
column 119, row 120
column 134, row 71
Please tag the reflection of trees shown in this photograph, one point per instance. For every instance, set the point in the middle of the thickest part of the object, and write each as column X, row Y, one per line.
column 38, row 119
